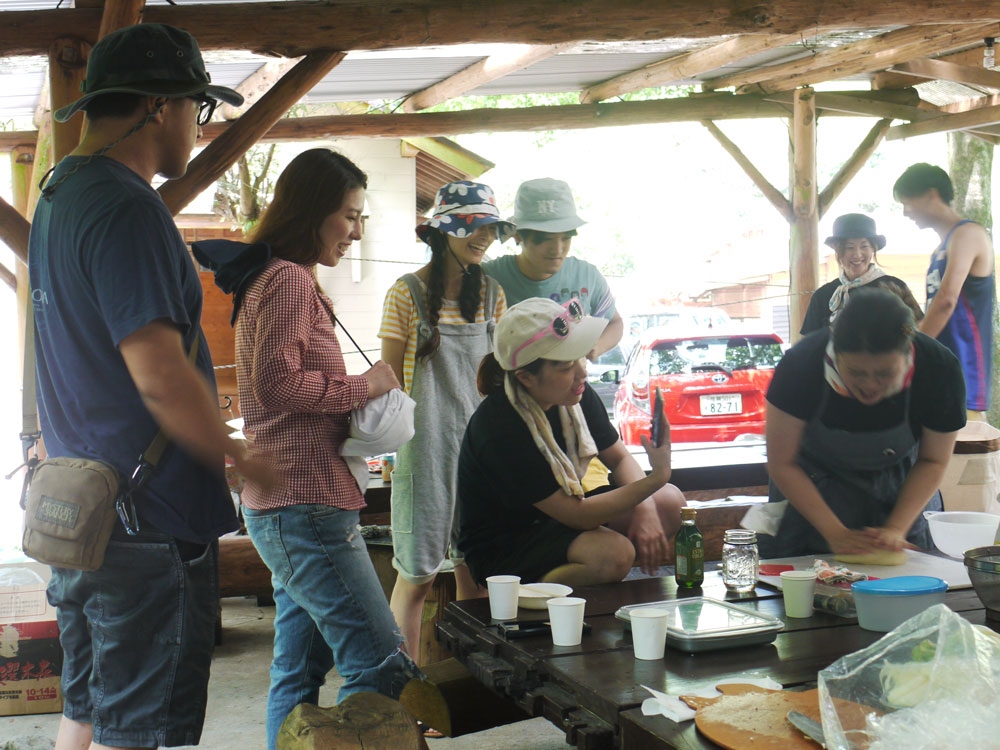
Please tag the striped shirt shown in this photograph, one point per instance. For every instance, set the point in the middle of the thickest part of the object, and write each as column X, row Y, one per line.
column 295, row 393
column 400, row 320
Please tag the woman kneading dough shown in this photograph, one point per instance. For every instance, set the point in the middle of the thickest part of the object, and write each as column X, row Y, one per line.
column 861, row 422
column 522, row 509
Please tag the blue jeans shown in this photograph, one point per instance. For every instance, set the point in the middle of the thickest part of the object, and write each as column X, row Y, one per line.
column 330, row 609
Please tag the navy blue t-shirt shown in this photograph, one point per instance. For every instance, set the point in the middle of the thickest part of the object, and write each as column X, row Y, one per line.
column 107, row 260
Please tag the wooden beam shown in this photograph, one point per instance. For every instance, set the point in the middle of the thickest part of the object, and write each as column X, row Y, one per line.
column 961, row 121
column 256, row 85
column 967, row 105
column 853, row 165
column 213, row 162
column 888, row 80
column 290, row 29
column 521, row 119
column 778, row 200
column 721, row 106
column 686, row 65
column 876, row 53
column 949, row 71
column 67, row 69
column 14, row 230
column 898, row 104
column 803, row 246
column 488, row 69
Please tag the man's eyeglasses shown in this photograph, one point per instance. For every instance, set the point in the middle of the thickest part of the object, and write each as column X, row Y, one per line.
column 206, row 108
column 559, row 327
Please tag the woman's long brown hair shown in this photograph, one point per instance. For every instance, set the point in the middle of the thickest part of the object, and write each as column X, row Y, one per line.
column 310, row 188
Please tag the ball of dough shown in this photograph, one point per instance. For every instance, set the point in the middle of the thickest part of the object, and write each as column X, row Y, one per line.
column 880, row 557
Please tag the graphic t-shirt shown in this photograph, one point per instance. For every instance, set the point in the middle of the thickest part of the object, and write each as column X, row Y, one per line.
column 106, row 261
column 576, row 278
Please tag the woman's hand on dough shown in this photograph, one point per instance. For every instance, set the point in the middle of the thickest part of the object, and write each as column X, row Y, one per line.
column 890, row 538
column 853, row 542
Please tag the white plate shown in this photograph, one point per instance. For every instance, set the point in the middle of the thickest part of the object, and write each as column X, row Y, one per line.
column 535, row 598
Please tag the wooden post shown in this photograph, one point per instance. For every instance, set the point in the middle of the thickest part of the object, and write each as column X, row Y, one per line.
column 803, row 247
column 120, row 13
column 67, row 69
column 22, row 160
column 213, row 162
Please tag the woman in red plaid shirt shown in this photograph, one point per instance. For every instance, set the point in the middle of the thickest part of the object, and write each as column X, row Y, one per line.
column 296, row 396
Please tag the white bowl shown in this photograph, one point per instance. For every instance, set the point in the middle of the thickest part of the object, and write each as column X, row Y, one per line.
column 956, row 531
column 535, row 595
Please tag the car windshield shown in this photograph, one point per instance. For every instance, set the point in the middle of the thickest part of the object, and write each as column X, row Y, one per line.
column 722, row 353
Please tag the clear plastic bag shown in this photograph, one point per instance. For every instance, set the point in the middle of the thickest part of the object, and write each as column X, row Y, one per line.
column 933, row 682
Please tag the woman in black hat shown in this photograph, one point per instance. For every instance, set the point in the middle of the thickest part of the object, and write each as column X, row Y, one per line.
column 856, row 242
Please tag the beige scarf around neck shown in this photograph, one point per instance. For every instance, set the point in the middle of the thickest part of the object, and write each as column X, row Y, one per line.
column 569, row 466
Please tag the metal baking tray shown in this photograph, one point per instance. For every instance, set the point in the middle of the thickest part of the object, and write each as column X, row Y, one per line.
column 701, row 623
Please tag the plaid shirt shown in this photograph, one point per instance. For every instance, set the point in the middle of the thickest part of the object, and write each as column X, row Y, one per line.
column 295, row 393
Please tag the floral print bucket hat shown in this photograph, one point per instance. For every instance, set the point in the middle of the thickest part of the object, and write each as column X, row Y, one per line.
column 461, row 207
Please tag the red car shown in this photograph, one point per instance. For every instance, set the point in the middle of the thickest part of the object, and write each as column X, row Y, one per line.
column 713, row 384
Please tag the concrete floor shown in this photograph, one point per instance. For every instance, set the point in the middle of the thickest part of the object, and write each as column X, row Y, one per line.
column 238, row 694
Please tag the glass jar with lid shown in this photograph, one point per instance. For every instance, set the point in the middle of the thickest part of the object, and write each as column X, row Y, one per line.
column 740, row 560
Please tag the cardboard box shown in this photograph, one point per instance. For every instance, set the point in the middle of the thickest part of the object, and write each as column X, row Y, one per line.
column 30, row 654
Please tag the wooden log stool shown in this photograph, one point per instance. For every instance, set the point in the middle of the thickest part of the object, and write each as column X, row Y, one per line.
column 363, row 721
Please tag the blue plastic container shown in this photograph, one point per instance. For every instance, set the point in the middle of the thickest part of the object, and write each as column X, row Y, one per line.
column 884, row 604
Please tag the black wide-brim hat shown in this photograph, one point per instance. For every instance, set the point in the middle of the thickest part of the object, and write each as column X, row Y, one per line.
column 150, row 59
column 855, row 226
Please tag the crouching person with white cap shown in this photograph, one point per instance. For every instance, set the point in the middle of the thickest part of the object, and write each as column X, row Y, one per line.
column 522, row 508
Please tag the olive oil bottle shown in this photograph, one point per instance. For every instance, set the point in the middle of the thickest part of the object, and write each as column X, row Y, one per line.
column 690, row 552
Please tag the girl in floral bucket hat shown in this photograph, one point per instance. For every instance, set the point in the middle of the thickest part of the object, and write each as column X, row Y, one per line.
column 437, row 325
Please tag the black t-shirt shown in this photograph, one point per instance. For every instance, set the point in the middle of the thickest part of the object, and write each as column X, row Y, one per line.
column 818, row 312
column 937, row 398
column 502, row 474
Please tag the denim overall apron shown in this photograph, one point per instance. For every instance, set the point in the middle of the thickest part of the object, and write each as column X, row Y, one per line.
column 424, row 482
column 858, row 474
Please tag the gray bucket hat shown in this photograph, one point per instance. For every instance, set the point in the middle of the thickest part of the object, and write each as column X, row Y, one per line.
column 545, row 205
column 150, row 59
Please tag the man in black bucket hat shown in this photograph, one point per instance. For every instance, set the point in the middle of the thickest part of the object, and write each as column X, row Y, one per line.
column 117, row 304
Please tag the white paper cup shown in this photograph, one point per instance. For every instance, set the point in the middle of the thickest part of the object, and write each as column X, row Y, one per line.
column 649, row 632
column 503, row 596
column 566, row 617
column 797, row 587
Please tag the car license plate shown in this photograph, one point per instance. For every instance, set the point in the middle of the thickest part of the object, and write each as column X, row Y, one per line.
column 721, row 403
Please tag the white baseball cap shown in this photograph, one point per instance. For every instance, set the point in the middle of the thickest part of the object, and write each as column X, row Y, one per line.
column 540, row 328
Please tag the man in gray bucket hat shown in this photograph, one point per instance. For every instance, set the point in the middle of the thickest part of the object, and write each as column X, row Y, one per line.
column 117, row 305
column 546, row 220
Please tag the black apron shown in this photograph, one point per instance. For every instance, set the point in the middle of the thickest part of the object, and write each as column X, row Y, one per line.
column 858, row 474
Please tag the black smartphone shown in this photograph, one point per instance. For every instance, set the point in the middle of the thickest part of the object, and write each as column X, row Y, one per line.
column 514, row 630
column 656, row 430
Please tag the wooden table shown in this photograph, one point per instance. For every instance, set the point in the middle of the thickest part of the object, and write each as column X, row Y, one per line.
column 592, row 691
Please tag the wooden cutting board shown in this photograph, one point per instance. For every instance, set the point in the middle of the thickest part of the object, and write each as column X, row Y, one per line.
column 747, row 717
